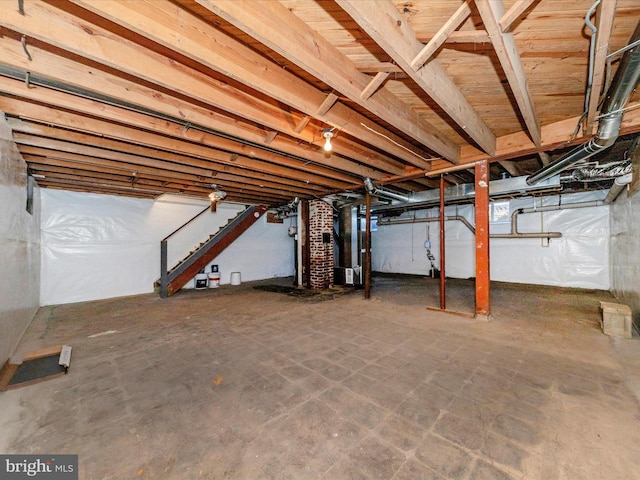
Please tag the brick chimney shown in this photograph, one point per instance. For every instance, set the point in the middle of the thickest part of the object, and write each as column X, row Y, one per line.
column 321, row 244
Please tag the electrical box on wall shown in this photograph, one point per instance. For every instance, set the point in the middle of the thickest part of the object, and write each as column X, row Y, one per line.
column 326, row 237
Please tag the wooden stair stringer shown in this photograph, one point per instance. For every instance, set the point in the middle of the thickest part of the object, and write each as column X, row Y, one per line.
column 199, row 259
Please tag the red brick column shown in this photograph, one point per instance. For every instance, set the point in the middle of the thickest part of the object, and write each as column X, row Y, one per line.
column 320, row 230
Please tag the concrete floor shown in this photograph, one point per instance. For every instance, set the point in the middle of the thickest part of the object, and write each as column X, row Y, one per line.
column 246, row 384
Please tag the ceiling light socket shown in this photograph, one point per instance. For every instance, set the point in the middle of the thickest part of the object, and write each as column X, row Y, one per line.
column 327, row 134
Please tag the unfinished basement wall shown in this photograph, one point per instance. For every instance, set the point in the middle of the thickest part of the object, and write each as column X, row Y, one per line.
column 102, row 246
column 625, row 252
column 19, row 246
column 580, row 258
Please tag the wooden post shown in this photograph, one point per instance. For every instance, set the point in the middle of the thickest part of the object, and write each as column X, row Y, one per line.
column 367, row 249
column 306, row 244
column 443, row 301
column 164, row 274
column 483, row 281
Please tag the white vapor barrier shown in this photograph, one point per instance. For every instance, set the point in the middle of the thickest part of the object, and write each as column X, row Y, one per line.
column 102, row 246
column 580, row 258
column 19, row 246
column 625, row 251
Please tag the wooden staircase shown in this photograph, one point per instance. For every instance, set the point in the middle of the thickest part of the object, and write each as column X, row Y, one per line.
column 173, row 280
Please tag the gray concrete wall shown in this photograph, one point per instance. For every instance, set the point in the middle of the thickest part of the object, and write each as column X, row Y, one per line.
column 625, row 252
column 19, row 246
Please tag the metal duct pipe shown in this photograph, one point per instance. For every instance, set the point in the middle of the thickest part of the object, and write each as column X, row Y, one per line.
column 622, row 87
column 370, row 186
column 514, row 216
column 617, row 187
column 514, row 227
column 449, row 218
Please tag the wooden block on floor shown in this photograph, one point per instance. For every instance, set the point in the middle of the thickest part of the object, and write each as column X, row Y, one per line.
column 6, row 374
column 616, row 319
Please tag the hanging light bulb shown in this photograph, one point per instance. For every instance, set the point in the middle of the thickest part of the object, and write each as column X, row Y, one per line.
column 328, row 134
column 216, row 196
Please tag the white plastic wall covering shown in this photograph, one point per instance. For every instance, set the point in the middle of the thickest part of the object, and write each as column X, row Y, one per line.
column 625, row 252
column 264, row 251
column 19, row 247
column 580, row 258
column 102, row 246
column 187, row 239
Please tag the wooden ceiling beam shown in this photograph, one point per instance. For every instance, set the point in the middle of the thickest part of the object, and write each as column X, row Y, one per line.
column 104, row 151
column 59, row 157
column 514, row 13
column 511, row 167
column 457, row 19
column 65, row 71
column 259, row 177
column 458, row 37
column 54, row 160
column 167, row 185
column 606, row 14
column 142, row 151
column 516, row 145
column 505, row 47
column 199, row 41
column 69, row 185
column 545, row 159
column 375, row 83
column 272, row 24
column 88, row 151
column 102, row 191
column 132, row 192
column 70, row 182
column 135, row 174
column 327, row 103
column 555, row 135
column 382, row 21
column 98, row 165
column 47, row 169
column 109, row 181
column 130, row 167
column 278, row 165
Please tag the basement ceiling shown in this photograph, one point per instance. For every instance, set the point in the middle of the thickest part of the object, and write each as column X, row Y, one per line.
column 145, row 97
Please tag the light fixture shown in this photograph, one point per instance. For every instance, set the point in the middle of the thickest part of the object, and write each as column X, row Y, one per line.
column 327, row 134
column 216, row 196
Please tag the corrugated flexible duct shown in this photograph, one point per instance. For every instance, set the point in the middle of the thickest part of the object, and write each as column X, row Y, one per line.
column 622, row 87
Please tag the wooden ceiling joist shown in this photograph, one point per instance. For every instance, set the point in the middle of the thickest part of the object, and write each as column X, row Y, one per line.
column 214, row 49
column 200, row 189
column 514, row 13
column 460, row 15
column 142, row 97
column 135, row 161
column 53, row 159
column 283, row 166
column 375, row 83
column 273, row 25
column 506, row 49
column 66, row 71
column 383, row 22
column 605, row 17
